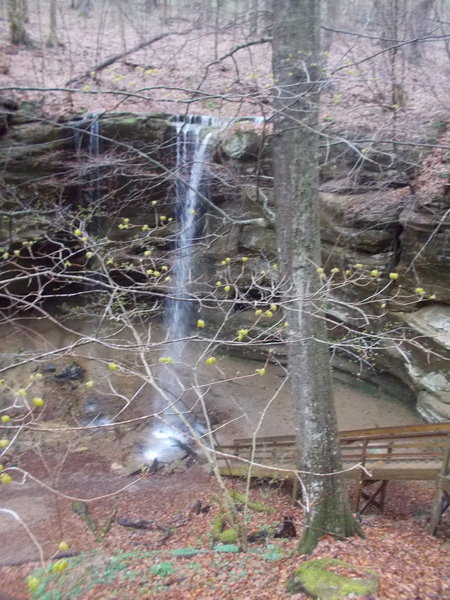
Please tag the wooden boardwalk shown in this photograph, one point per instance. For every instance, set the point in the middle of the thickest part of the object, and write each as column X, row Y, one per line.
column 370, row 456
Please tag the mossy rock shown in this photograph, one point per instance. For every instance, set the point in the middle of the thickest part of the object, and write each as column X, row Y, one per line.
column 316, row 579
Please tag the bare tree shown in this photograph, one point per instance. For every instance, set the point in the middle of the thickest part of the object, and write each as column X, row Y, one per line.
column 52, row 39
column 296, row 69
column 17, row 17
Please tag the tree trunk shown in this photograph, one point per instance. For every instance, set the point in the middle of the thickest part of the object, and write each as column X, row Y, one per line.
column 52, row 39
column 419, row 26
column 295, row 157
column 253, row 9
column 17, row 16
column 332, row 12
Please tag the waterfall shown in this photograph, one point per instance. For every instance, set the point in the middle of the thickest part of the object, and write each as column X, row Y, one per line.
column 192, row 152
column 193, row 147
column 89, row 125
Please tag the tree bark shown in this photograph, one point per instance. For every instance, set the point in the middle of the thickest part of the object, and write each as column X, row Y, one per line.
column 296, row 66
column 17, row 17
column 52, row 39
column 419, row 26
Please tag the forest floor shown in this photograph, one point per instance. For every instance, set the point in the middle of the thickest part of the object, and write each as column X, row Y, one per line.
column 175, row 558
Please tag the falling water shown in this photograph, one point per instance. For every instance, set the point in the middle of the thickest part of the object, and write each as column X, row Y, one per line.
column 192, row 152
column 193, row 146
column 88, row 125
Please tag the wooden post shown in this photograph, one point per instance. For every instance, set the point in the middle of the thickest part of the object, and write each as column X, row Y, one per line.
column 437, row 507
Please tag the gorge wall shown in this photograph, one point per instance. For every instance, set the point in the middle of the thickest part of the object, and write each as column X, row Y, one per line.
column 381, row 214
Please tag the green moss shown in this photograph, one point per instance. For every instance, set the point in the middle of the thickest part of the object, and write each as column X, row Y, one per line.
column 314, row 578
column 228, row 536
column 218, row 524
column 332, row 517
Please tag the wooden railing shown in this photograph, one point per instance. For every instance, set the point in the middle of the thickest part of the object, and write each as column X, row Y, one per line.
column 387, row 453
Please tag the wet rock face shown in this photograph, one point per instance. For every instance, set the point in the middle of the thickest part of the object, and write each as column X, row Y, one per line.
column 425, row 245
column 360, row 228
column 429, row 372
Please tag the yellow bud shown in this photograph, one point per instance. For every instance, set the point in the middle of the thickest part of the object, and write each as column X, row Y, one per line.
column 156, row 273
column 320, row 270
column 393, row 275
column 244, row 258
column 347, row 272
column 359, row 266
column 164, row 268
column 149, row 272
column 258, row 312
column 154, row 202
column 285, row 324
column 5, row 478
column 227, row 260
column 335, row 270
column 63, row 546
column 192, row 211
column 112, row 366
column 4, row 443
column 21, row 392
column 170, row 219
column 218, row 283
column 243, row 332
column 144, row 228
column 89, row 384
column 33, row 583
column 89, row 254
column 166, row 360
column 16, row 252
column 374, row 273
column 211, row 360
column 77, row 232
column 419, row 291
column 168, row 278
column 59, row 565
column 147, row 252
column 200, row 323
column 261, row 371
column 163, row 218
column 6, row 418
column 432, row 297
column 38, row 402
column 2, row 381
column 227, row 288
column 273, row 307
column 268, row 313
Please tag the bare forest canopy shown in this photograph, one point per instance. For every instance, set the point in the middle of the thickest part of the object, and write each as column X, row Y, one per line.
column 385, row 62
